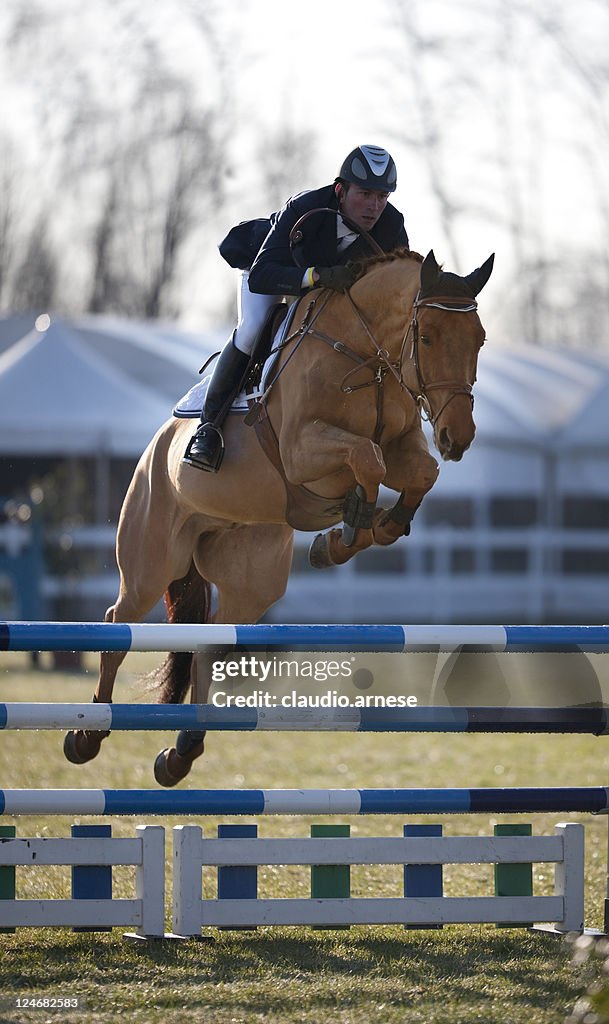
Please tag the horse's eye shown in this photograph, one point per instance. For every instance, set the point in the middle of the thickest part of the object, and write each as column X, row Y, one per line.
column 425, row 340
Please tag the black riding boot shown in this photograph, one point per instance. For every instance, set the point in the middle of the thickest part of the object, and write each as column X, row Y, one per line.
column 206, row 447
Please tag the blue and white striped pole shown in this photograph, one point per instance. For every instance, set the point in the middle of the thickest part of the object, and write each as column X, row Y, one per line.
column 104, row 636
column 302, row 801
column 141, row 717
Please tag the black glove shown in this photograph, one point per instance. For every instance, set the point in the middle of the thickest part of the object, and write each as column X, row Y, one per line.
column 339, row 278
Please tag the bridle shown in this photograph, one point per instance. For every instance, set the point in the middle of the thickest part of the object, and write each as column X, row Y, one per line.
column 450, row 304
column 380, row 360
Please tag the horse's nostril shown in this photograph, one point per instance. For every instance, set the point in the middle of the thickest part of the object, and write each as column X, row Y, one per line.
column 444, row 439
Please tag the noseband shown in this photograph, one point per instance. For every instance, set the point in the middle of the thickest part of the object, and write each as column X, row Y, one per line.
column 450, row 304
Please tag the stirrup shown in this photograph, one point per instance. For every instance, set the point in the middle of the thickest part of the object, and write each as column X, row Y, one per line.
column 210, row 463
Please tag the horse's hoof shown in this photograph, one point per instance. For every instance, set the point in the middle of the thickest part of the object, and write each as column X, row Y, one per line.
column 161, row 768
column 319, row 555
column 80, row 746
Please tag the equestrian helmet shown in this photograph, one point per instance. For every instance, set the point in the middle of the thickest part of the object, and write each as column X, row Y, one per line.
column 370, row 167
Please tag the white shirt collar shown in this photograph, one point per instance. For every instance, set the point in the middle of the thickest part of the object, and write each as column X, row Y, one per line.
column 344, row 235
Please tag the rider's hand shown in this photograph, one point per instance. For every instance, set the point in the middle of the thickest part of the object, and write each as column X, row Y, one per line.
column 339, row 278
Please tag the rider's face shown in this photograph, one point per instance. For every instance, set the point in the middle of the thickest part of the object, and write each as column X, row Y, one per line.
column 363, row 205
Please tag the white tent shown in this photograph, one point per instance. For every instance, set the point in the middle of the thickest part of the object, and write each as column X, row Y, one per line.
column 58, row 397
column 102, row 382
column 532, row 407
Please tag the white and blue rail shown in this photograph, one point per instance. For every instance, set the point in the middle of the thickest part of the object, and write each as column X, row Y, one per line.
column 149, row 717
column 163, row 637
column 589, row 799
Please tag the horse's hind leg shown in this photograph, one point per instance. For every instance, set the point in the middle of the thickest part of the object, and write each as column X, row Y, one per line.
column 151, row 551
column 250, row 566
column 174, row 763
column 82, row 745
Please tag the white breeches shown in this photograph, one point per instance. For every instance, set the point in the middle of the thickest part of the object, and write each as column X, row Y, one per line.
column 252, row 311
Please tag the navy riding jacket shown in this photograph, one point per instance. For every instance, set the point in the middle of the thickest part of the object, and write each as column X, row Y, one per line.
column 278, row 269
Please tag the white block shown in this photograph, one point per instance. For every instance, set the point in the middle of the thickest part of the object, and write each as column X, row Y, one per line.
column 569, row 878
column 150, row 880
column 187, row 879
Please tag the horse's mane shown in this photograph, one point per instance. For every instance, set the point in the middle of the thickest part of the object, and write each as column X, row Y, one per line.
column 363, row 265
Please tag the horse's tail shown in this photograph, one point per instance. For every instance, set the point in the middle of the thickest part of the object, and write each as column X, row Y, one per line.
column 187, row 600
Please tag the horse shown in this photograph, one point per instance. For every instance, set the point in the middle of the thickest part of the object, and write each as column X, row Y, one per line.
column 341, row 415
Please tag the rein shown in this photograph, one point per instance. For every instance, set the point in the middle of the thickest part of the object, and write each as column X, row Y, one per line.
column 379, row 361
column 296, row 235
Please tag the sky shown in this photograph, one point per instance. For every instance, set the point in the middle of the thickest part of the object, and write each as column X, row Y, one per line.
column 520, row 116
column 518, row 111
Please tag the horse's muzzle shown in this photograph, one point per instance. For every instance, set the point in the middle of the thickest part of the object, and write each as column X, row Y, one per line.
column 450, row 449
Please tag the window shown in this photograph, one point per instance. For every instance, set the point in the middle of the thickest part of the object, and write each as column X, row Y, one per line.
column 509, row 560
column 449, row 512
column 585, row 562
column 391, row 561
column 462, row 561
column 589, row 512
column 513, row 511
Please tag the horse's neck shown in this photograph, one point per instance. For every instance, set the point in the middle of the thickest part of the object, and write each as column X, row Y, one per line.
column 385, row 294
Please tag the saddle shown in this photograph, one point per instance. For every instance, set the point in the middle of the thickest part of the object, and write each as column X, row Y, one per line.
column 191, row 404
column 304, row 510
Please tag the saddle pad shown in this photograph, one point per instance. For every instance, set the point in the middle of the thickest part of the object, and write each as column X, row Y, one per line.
column 191, row 405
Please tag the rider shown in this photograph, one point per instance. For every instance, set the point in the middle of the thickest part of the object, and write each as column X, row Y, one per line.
column 321, row 257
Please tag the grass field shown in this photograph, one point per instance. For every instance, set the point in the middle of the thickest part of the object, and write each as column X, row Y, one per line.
column 461, row 974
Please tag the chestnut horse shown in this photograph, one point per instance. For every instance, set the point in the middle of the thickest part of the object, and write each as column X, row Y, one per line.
column 341, row 416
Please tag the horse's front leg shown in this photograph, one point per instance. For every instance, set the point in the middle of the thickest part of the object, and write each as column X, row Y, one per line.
column 325, row 452
column 412, row 471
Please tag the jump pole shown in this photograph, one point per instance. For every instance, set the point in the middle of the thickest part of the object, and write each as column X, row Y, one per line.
column 139, row 717
column 104, row 636
column 593, row 799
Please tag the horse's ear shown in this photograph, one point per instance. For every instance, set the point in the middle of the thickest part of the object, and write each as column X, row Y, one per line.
column 429, row 273
column 477, row 279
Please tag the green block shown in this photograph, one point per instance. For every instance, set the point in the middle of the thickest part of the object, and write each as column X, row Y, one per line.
column 331, row 881
column 7, row 873
column 513, row 879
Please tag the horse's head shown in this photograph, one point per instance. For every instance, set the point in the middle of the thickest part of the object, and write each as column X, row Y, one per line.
column 446, row 337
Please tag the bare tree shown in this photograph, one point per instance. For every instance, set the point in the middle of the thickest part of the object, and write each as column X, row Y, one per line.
column 130, row 162
column 8, row 216
column 432, row 110
column 162, row 183
column 504, row 105
column 104, row 291
column 286, row 156
column 35, row 285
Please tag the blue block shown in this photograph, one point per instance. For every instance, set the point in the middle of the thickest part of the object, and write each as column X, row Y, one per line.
column 238, row 883
column 92, row 882
column 423, row 879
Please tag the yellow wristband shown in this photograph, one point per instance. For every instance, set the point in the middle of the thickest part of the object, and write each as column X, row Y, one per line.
column 310, row 280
